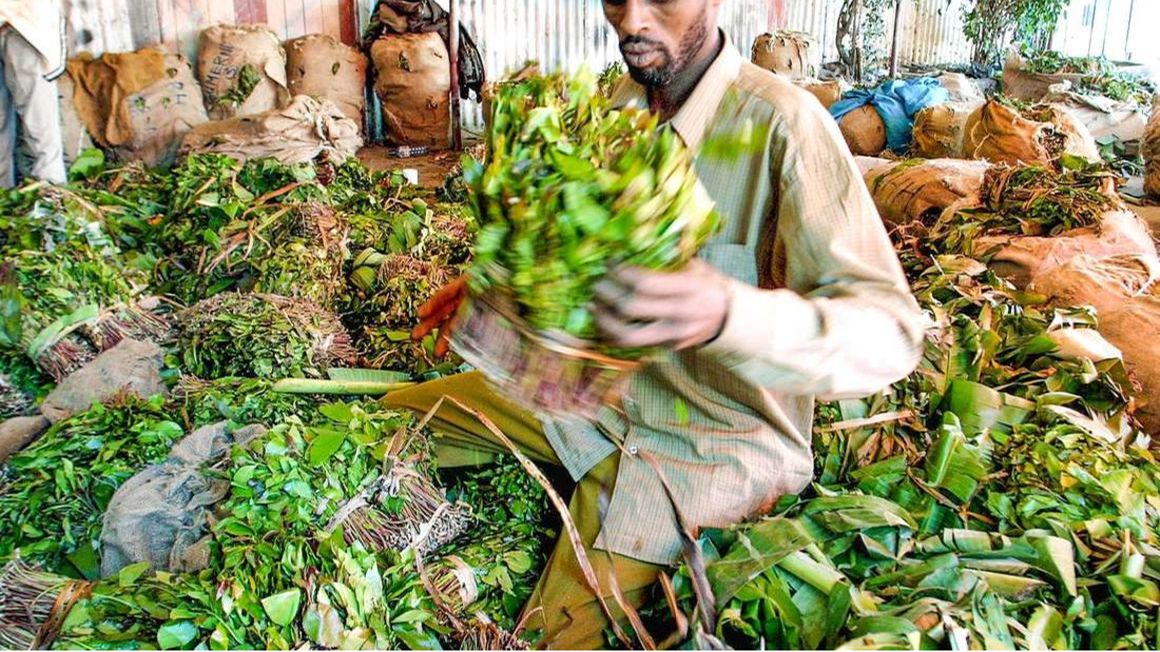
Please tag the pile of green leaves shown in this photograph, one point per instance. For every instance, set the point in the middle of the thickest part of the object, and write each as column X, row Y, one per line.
column 998, row 497
column 1051, row 62
column 53, row 494
column 236, row 96
column 572, row 187
column 1100, row 76
column 277, row 580
column 421, row 251
column 260, row 336
column 1030, row 200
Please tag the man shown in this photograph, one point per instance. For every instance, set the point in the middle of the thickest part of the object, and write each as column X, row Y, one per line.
column 800, row 295
column 32, row 56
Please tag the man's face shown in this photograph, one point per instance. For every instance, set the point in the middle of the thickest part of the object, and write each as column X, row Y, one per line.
column 660, row 38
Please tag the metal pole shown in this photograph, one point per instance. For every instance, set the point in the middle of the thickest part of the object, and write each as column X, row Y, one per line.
column 453, row 54
column 894, row 39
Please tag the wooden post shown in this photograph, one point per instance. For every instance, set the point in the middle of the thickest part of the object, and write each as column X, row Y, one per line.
column 894, row 39
column 453, row 54
column 856, row 42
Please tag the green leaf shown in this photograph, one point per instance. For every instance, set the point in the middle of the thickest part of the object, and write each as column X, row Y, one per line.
column 129, row 574
column 326, row 443
column 87, row 165
column 176, row 635
column 282, row 607
column 758, row 549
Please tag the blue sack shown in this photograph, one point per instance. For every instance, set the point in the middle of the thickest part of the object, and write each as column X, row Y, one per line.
column 897, row 102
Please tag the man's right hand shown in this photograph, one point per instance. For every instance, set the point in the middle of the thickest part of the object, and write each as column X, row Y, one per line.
column 439, row 313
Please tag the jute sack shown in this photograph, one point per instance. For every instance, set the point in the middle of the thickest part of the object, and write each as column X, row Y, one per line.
column 162, row 114
column 1103, row 116
column 74, row 136
column 413, row 82
column 324, row 67
column 787, row 53
column 301, row 132
column 242, row 70
column 1023, row 260
column 1152, row 153
column 915, row 190
column 961, row 88
column 864, row 131
column 1031, row 86
column 828, row 92
column 939, row 129
column 1041, row 134
column 1125, row 292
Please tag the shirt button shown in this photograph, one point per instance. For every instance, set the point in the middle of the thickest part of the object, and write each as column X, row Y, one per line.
column 633, row 450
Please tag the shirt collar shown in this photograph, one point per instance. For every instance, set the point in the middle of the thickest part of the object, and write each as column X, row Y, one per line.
column 692, row 119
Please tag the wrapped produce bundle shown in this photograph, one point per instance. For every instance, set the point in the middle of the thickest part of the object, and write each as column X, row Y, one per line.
column 918, row 190
column 320, row 65
column 1152, row 153
column 1124, row 291
column 864, row 131
column 242, row 70
column 786, row 53
column 572, row 188
column 1041, row 134
column 938, row 130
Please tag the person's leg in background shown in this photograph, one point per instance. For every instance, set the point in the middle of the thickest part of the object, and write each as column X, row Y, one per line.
column 7, row 120
column 562, row 606
column 35, row 101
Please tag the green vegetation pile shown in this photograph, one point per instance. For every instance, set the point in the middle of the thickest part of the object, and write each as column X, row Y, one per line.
column 1100, row 76
column 261, row 336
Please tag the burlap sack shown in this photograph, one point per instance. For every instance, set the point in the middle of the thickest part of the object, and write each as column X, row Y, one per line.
column 323, row 67
column 301, row 132
column 939, row 129
column 1103, row 116
column 1151, row 152
column 129, row 367
column 915, row 190
column 867, row 164
column 1030, row 86
column 793, row 54
column 161, row 514
column 103, row 85
column 1023, row 260
column 162, row 114
column 961, row 88
column 864, row 131
column 1125, row 292
column 828, row 92
column 74, row 136
column 18, row 432
column 228, row 54
column 413, row 82
column 1000, row 134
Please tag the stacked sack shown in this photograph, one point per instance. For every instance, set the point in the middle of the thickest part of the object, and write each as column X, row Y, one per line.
column 796, row 56
column 323, row 67
column 138, row 105
column 413, row 82
column 242, row 70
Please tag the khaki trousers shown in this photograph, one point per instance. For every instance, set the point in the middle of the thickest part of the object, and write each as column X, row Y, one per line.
column 566, row 610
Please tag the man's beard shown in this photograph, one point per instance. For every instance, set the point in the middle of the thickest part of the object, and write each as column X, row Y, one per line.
column 669, row 67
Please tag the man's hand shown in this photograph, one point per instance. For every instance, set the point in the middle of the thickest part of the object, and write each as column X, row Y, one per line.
column 439, row 313
column 635, row 307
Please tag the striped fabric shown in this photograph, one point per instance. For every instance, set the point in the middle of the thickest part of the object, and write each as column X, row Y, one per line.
column 819, row 306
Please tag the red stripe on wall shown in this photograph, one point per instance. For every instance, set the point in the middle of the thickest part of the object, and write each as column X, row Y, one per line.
column 778, row 16
column 348, row 22
column 250, row 12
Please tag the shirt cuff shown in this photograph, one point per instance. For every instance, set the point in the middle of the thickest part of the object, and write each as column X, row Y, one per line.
column 766, row 323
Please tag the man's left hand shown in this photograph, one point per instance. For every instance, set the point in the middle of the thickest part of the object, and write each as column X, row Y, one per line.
column 635, row 307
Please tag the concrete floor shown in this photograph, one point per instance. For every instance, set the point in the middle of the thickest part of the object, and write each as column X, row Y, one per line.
column 432, row 168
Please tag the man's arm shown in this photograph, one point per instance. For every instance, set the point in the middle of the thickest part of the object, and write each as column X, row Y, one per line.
column 846, row 324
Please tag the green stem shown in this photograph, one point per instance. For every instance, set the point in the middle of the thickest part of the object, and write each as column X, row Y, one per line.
column 811, row 572
column 341, row 387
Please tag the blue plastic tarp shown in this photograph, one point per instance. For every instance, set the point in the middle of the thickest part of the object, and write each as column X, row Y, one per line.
column 897, row 101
